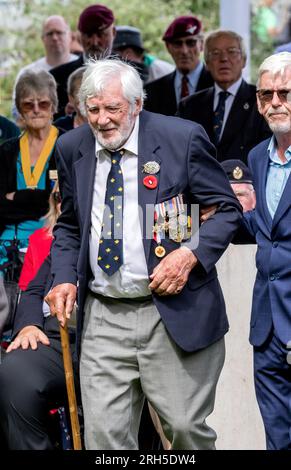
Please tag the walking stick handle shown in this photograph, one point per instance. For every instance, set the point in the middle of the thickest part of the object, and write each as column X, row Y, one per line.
column 69, row 375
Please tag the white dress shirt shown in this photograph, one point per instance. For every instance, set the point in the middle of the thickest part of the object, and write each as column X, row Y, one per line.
column 232, row 90
column 131, row 280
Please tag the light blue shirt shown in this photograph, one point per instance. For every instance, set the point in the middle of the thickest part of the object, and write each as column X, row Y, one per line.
column 278, row 174
column 193, row 78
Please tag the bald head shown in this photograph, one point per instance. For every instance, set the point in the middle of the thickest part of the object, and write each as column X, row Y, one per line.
column 56, row 36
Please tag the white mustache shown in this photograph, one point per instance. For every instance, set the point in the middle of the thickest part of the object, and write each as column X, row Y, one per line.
column 273, row 111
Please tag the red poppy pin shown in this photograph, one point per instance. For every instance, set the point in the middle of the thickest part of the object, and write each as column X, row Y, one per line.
column 150, row 182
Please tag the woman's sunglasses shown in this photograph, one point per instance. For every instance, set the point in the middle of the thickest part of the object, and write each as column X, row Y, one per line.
column 43, row 105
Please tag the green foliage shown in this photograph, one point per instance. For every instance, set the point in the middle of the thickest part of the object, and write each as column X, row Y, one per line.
column 151, row 16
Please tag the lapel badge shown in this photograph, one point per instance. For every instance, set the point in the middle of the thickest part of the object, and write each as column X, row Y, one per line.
column 150, row 182
column 237, row 173
column 151, row 167
column 246, row 106
column 160, row 251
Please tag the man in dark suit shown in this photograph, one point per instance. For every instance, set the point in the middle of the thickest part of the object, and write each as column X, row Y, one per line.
column 184, row 42
column 228, row 110
column 97, row 32
column 154, row 318
column 270, row 224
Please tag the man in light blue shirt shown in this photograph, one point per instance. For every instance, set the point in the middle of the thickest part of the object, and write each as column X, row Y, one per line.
column 270, row 225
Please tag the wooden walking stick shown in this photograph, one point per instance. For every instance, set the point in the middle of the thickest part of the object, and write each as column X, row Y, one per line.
column 68, row 366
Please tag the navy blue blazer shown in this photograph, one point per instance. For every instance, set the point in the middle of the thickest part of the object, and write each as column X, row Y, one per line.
column 196, row 317
column 272, row 290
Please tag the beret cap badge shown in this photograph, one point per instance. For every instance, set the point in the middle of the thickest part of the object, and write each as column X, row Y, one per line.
column 237, row 173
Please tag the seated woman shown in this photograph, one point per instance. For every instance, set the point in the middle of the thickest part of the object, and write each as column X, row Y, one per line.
column 27, row 161
column 32, row 377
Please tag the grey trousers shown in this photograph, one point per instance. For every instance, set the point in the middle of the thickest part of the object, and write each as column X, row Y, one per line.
column 127, row 355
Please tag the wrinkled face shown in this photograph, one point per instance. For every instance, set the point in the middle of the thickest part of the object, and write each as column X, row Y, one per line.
column 99, row 43
column 185, row 52
column 224, row 60
column 56, row 37
column 111, row 116
column 245, row 194
column 36, row 110
column 274, row 100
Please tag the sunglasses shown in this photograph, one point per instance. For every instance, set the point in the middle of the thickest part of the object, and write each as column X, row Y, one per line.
column 266, row 96
column 44, row 105
column 190, row 43
column 57, row 197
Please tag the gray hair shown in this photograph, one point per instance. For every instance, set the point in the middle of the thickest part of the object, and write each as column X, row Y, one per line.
column 36, row 82
column 74, row 77
column 276, row 63
column 100, row 72
column 224, row 32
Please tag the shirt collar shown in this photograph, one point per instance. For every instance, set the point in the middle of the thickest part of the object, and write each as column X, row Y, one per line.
column 233, row 89
column 192, row 76
column 273, row 155
column 131, row 145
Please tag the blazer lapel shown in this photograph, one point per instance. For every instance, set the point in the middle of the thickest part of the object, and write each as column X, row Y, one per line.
column 85, row 175
column 241, row 108
column 284, row 203
column 264, row 165
column 147, row 197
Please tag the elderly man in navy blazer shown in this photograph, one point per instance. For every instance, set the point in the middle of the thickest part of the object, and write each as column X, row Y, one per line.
column 151, row 318
column 270, row 224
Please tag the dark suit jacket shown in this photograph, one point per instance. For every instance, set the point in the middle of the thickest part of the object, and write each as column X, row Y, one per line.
column 27, row 204
column 272, row 292
column 196, row 317
column 61, row 75
column 161, row 97
column 244, row 127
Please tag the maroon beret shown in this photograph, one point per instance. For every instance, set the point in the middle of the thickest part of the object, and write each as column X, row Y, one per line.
column 95, row 18
column 183, row 26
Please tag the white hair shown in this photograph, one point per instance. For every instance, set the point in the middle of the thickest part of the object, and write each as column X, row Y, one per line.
column 218, row 33
column 100, row 72
column 276, row 63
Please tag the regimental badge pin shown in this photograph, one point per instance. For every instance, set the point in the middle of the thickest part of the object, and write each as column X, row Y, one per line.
column 150, row 182
column 160, row 251
column 151, row 168
column 246, row 106
column 237, row 173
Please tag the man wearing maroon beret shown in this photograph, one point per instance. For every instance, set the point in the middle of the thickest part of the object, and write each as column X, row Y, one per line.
column 96, row 26
column 184, row 42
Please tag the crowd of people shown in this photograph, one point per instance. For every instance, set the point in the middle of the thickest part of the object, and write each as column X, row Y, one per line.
column 111, row 150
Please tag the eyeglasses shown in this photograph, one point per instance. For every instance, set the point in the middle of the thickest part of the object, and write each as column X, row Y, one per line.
column 187, row 42
column 50, row 34
column 27, row 106
column 266, row 96
column 57, row 197
column 231, row 53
